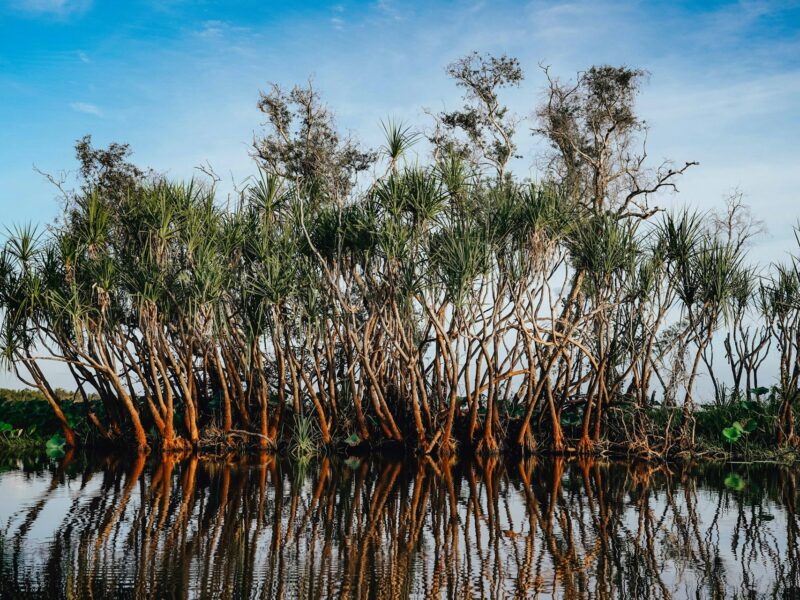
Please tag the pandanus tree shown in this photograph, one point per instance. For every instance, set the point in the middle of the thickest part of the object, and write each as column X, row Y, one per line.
column 23, row 302
column 782, row 307
column 706, row 273
column 603, row 251
column 459, row 255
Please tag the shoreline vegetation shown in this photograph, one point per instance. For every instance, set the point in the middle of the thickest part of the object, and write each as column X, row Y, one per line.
column 29, row 428
column 375, row 300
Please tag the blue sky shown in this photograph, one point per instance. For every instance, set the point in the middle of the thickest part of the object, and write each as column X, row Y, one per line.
column 179, row 81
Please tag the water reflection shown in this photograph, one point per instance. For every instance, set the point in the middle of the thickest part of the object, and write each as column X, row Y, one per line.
column 189, row 528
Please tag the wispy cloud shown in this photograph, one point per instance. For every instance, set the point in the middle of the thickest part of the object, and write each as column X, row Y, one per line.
column 216, row 29
column 388, row 8
column 53, row 8
column 86, row 108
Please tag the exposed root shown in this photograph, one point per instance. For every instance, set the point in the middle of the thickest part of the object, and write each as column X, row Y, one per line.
column 235, row 440
column 585, row 446
column 175, row 444
column 488, row 446
column 448, row 447
column 529, row 444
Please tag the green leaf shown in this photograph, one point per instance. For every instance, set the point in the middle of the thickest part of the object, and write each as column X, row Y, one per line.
column 750, row 425
column 55, row 446
column 731, row 434
column 570, row 420
column 759, row 390
column 738, row 426
column 353, row 462
column 735, row 482
column 353, row 440
column 5, row 427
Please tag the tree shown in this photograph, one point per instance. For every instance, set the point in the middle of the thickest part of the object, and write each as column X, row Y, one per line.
column 485, row 124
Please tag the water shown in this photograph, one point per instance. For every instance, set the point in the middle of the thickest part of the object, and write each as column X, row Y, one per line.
column 265, row 528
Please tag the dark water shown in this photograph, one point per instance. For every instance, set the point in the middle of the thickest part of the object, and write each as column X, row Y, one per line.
column 262, row 528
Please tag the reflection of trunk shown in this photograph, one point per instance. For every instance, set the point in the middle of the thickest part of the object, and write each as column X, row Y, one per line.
column 383, row 488
column 436, row 528
column 113, row 516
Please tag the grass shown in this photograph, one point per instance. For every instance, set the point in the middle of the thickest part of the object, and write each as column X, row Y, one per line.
column 305, row 439
column 19, row 442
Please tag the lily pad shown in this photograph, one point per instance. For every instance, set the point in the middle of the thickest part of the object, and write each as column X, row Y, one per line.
column 353, row 462
column 735, row 482
column 731, row 434
column 353, row 440
column 55, row 446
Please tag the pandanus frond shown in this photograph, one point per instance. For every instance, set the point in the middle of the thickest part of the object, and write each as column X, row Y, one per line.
column 399, row 138
column 414, row 195
column 394, row 239
column 782, row 291
column 603, row 247
column 503, row 208
column 679, row 237
column 719, row 271
column 23, row 245
column 459, row 254
column 456, row 175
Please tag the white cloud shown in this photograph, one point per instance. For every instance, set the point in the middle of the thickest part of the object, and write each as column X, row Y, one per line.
column 388, row 8
column 55, row 8
column 86, row 108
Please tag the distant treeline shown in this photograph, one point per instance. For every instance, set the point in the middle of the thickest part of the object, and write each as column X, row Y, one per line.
column 24, row 395
column 366, row 297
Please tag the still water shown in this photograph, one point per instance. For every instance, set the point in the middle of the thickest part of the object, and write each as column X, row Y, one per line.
column 265, row 528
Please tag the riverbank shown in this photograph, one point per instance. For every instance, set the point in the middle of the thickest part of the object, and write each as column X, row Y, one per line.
column 738, row 430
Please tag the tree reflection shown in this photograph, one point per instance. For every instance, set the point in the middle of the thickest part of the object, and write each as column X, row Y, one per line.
column 183, row 527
